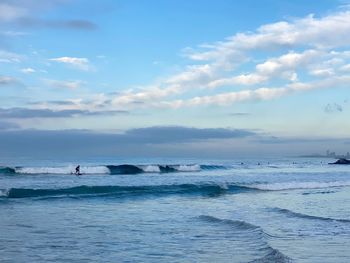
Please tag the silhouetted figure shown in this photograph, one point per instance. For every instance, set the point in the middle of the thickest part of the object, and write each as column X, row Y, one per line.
column 77, row 170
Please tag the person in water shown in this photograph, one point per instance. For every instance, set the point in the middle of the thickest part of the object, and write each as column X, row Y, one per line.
column 77, row 170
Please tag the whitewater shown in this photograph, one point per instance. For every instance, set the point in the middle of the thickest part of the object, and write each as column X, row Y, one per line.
column 175, row 210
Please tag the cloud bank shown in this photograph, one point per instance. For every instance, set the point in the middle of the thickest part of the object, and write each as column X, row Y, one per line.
column 134, row 142
column 316, row 58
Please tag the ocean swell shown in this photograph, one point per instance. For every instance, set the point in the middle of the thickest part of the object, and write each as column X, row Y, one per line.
column 210, row 190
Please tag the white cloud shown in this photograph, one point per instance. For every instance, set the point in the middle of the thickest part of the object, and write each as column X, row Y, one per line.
column 248, row 79
column 66, row 84
column 281, row 67
column 78, row 63
column 9, row 12
column 325, row 72
column 259, row 94
column 345, row 68
column 327, row 32
column 9, row 57
column 28, row 70
column 301, row 49
column 6, row 80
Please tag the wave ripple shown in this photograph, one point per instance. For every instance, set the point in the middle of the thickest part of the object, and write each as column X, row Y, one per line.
column 305, row 216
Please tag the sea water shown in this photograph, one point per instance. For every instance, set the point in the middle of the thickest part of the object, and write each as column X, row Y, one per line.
column 174, row 210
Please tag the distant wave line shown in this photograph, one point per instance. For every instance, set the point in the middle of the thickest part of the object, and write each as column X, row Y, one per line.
column 111, row 169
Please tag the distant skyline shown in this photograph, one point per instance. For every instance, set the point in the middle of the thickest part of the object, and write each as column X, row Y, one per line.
column 174, row 78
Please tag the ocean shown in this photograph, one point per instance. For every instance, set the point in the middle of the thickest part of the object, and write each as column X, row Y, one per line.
column 174, row 210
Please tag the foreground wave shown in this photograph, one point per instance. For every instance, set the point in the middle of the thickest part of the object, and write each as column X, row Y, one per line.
column 247, row 229
column 111, row 169
column 197, row 188
column 126, row 191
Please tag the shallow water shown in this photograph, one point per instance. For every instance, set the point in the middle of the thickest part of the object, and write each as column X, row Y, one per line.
column 273, row 210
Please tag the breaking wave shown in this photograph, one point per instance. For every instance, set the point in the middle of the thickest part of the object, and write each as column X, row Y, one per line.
column 210, row 190
column 110, row 169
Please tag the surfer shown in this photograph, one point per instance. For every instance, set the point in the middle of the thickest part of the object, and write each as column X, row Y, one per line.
column 77, row 170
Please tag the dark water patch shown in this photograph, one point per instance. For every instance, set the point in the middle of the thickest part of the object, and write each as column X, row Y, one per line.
column 319, row 192
column 305, row 216
column 166, row 169
column 24, row 226
column 209, row 190
column 124, row 169
column 274, row 256
column 7, row 170
column 213, row 167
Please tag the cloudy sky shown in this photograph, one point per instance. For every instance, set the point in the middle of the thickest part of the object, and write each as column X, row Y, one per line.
column 193, row 78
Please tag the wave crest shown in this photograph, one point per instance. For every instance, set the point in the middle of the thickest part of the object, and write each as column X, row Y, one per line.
column 236, row 223
column 210, row 190
column 305, row 216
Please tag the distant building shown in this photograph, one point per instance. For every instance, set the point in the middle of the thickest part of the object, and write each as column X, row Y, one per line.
column 334, row 155
column 330, row 154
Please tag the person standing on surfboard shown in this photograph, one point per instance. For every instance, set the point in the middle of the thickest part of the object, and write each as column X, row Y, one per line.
column 77, row 170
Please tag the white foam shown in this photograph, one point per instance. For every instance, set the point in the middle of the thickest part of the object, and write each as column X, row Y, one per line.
column 63, row 170
column 151, row 169
column 299, row 185
column 4, row 192
column 223, row 186
column 189, row 168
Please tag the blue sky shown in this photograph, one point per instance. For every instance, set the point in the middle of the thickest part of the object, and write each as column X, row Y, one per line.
column 276, row 71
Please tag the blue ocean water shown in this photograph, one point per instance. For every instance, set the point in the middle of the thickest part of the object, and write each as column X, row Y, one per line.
column 174, row 210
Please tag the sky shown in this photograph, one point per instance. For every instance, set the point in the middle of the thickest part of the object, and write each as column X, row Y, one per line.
column 174, row 78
